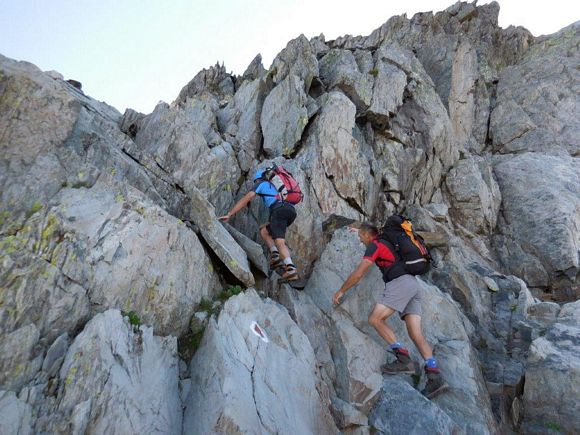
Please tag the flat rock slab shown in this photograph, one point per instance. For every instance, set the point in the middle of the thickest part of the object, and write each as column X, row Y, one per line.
column 218, row 237
column 403, row 410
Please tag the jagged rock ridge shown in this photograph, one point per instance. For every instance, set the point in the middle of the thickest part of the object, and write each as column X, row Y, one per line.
column 470, row 129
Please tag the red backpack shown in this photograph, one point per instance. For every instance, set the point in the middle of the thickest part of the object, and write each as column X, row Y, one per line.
column 285, row 183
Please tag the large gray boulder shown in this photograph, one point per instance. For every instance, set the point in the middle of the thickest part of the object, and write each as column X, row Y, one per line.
column 403, row 410
column 432, row 138
column 339, row 69
column 284, row 117
column 341, row 154
column 246, row 384
column 475, row 195
column 240, row 121
column 537, row 99
column 213, row 81
column 553, row 377
column 15, row 415
column 218, row 238
column 176, row 141
column 541, row 199
column 117, row 378
column 127, row 254
column 298, row 59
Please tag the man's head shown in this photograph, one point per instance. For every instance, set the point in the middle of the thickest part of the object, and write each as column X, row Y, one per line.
column 367, row 232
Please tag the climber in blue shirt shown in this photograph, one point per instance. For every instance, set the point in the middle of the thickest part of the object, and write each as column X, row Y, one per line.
column 282, row 215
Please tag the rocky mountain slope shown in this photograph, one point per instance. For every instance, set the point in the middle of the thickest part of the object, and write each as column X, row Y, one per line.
column 126, row 307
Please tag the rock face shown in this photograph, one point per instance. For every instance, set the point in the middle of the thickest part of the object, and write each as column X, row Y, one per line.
column 109, row 221
column 114, row 378
column 552, row 376
column 557, row 198
column 246, row 384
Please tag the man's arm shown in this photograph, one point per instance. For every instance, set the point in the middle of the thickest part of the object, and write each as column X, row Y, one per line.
column 239, row 205
column 353, row 279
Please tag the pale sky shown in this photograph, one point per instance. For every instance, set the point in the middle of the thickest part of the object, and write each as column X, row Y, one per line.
column 134, row 53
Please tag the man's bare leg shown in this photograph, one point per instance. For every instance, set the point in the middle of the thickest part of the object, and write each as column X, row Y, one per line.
column 413, row 322
column 377, row 320
column 403, row 364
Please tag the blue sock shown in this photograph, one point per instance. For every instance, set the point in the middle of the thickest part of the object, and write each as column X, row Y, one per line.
column 396, row 345
column 431, row 363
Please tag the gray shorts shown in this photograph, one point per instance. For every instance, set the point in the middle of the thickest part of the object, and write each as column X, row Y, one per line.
column 402, row 294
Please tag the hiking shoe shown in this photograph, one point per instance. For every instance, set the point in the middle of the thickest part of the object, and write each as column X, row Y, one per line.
column 275, row 260
column 435, row 383
column 403, row 364
column 290, row 274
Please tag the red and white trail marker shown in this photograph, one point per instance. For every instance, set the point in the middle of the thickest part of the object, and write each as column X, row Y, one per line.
column 257, row 330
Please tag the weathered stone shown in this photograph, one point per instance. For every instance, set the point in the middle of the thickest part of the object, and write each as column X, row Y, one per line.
column 342, row 158
column 388, row 88
column 464, row 79
column 339, row 69
column 255, row 69
column 242, row 383
column 15, row 415
column 182, row 152
column 537, row 189
column 55, row 355
column 284, row 117
column 218, row 238
column 475, row 195
column 318, row 44
column 537, row 98
column 241, row 120
column 128, row 254
column 213, row 80
column 254, row 251
column 114, row 378
column 553, row 377
column 298, row 59
column 130, row 122
column 403, row 410
column 20, row 360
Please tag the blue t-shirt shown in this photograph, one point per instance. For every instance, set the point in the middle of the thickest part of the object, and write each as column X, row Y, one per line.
column 262, row 187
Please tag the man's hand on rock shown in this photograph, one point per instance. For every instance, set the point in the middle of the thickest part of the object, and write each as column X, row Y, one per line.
column 337, row 297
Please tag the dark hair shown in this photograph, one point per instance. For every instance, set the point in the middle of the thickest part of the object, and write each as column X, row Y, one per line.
column 369, row 228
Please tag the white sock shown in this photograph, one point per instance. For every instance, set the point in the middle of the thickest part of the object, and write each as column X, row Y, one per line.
column 288, row 261
column 273, row 249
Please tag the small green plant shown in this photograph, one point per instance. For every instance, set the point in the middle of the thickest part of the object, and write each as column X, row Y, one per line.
column 553, row 426
column 188, row 344
column 207, row 306
column 374, row 72
column 229, row 292
column 133, row 317
column 513, row 308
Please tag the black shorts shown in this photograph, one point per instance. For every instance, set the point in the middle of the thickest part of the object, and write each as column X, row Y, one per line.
column 281, row 217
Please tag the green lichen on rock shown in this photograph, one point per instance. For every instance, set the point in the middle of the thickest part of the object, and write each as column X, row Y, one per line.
column 33, row 209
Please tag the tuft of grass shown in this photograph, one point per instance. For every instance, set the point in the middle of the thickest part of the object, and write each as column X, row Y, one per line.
column 188, row 344
column 229, row 292
column 207, row 306
column 374, row 72
column 553, row 426
column 133, row 317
